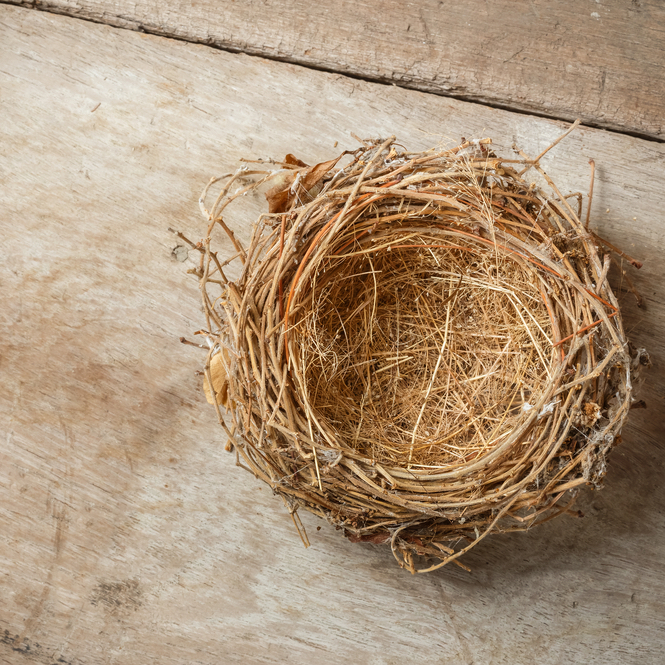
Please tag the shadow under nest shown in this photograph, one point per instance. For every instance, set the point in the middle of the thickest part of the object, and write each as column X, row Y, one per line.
column 421, row 348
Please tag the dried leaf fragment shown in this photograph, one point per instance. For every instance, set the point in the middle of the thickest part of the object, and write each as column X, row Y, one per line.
column 297, row 185
column 220, row 382
column 294, row 161
column 589, row 414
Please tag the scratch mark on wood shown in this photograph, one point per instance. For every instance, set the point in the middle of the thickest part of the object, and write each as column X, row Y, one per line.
column 59, row 513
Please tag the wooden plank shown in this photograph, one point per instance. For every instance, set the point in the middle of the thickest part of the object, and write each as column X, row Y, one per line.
column 126, row 533
column 601, row 61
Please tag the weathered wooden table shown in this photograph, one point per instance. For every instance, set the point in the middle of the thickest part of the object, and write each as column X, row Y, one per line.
column 127, row 535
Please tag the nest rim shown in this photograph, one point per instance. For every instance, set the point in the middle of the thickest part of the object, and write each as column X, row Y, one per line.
column 254, row 325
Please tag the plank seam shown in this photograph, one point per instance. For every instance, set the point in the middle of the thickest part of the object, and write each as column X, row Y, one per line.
column 124, row 23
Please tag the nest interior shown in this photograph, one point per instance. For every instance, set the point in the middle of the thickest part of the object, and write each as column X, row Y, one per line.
column 429, row 365
column 421, row 348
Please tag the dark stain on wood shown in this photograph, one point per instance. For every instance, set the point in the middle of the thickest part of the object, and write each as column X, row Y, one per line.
column 118, row 598
column 12, row 645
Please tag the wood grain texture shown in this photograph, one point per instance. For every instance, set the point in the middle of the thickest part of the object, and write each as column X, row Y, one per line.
column 127, row 535
column 603, row 61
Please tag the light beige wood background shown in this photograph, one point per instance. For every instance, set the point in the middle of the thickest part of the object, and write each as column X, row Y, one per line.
column 127, row 535
column 601, row 60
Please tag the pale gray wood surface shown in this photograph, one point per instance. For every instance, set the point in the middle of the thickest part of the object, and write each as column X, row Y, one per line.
column 601, row 61
column 127, row 535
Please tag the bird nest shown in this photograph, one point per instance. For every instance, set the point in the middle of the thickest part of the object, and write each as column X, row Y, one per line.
column 422, row 348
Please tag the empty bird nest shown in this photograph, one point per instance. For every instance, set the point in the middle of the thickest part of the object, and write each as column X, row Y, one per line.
column 421, row 347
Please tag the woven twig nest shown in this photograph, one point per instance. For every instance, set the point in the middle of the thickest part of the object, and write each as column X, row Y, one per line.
column 421, row 348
